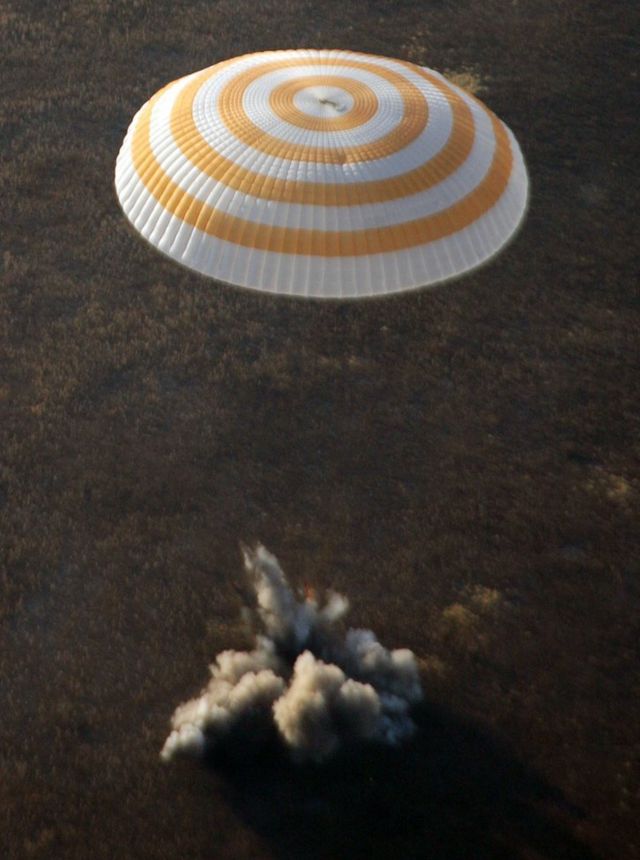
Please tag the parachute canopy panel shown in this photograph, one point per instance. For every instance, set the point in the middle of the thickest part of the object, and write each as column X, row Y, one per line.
column 328, row 174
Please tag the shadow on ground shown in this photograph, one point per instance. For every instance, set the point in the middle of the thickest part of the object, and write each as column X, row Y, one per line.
column 453, row 792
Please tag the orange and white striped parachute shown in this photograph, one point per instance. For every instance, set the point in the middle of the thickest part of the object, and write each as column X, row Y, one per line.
column 328, row 174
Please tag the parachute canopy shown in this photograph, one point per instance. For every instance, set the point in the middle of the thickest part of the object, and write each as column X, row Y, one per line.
column 321, row 173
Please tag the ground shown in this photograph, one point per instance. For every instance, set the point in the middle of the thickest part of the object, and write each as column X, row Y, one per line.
column 462, row 462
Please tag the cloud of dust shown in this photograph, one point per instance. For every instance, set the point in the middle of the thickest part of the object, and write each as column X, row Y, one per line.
column 316, row 684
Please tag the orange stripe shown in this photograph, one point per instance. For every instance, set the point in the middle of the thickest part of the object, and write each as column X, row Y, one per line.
column 330, row 243
column 365, row 103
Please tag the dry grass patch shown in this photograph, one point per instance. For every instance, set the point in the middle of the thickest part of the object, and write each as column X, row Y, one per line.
column 616, row 488
column 416, row 49
column 465, row 622
column 467, row 78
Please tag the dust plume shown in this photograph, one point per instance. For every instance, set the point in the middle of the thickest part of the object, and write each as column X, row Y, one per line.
column 309, row 680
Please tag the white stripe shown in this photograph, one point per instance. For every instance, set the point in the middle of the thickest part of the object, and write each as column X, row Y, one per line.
column 313, row 101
